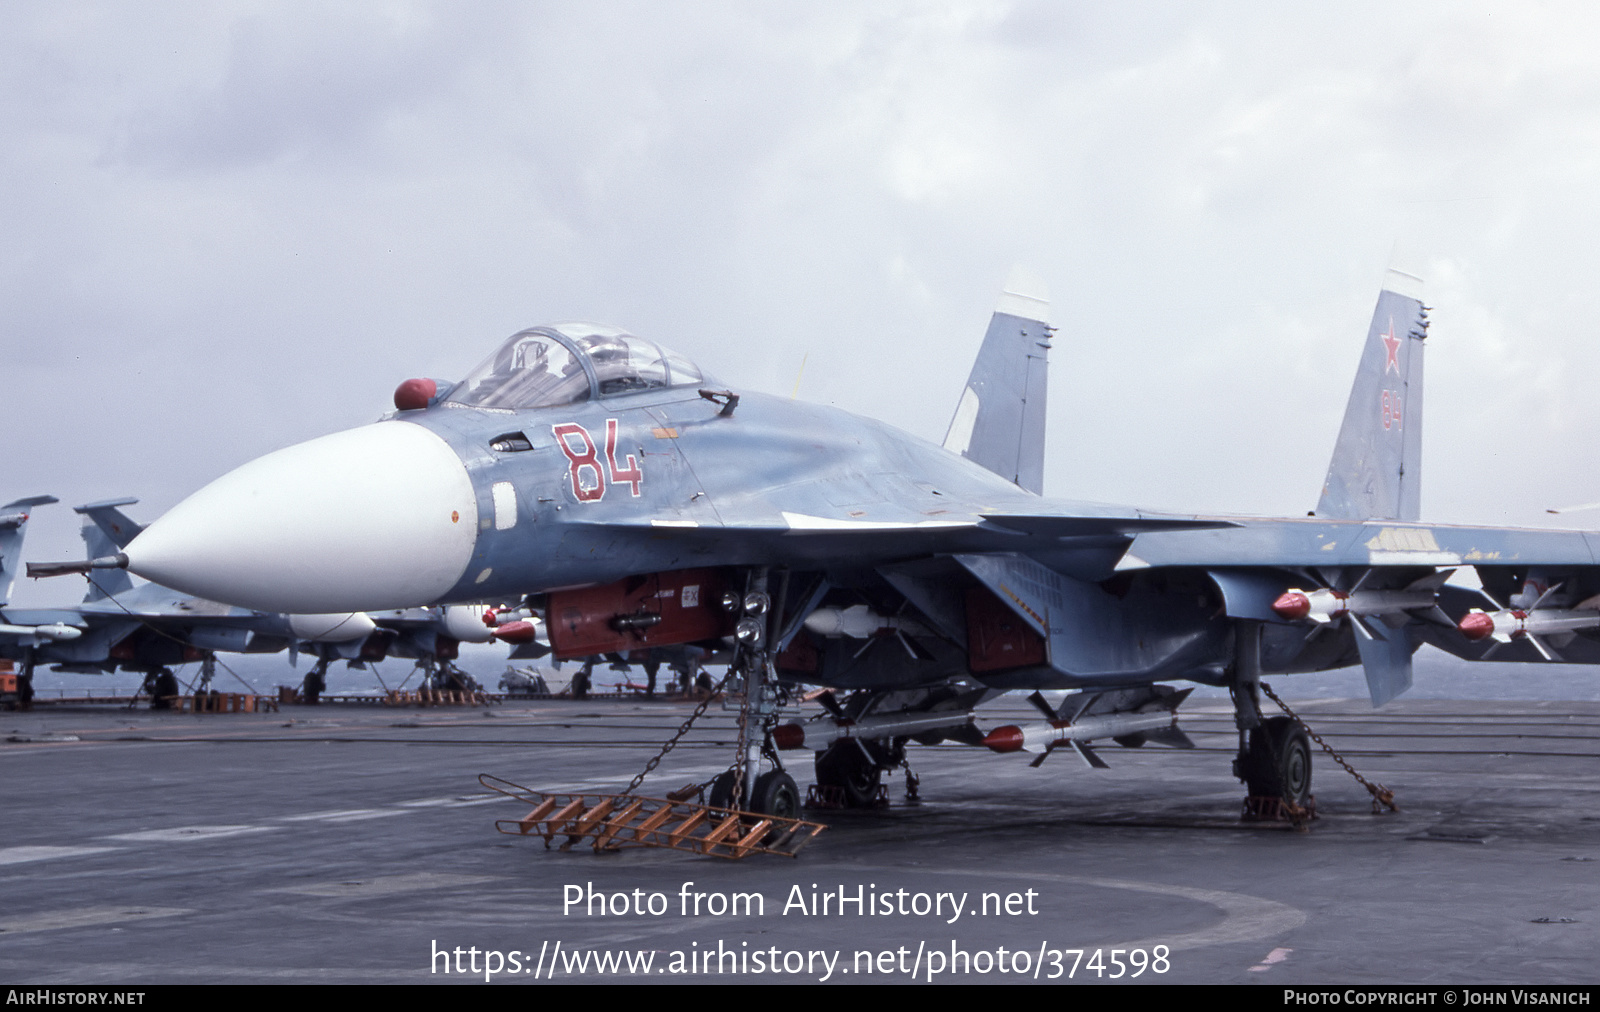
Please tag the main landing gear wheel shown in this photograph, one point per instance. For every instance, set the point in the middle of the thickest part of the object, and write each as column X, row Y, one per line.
column 721, row 793
column 1278, row 764
column 845, row 764
column 163, row 690
column 775, row 793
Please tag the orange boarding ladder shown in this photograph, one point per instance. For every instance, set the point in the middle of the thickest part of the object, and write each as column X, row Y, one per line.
column 614, row 821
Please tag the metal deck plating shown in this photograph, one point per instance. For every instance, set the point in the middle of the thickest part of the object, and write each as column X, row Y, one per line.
column 351, row 844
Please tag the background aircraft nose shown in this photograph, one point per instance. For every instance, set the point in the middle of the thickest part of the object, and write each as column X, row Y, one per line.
column 379, row 517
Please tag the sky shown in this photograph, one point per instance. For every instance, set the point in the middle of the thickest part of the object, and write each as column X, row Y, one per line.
column 229, row 227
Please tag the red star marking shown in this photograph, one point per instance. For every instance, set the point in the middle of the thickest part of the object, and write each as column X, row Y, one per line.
column 1393, row 344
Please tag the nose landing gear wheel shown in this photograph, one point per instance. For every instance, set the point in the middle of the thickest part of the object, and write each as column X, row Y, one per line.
column 775, row 793
column 721, row 793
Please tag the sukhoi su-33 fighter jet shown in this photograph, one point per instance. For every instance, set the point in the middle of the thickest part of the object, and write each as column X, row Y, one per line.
column 633, row 503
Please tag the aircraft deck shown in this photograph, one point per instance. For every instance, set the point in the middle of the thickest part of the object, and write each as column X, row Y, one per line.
column 353, row 844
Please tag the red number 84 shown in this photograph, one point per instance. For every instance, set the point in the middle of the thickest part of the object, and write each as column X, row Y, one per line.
column 1391, row 409
column 588, row 458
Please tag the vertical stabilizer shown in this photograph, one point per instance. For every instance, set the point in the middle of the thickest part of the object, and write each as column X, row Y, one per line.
column 106, row 531
column 1376, row 471
column 999, row 421
column 13, row 526
column 103, row 583
column 117, row 526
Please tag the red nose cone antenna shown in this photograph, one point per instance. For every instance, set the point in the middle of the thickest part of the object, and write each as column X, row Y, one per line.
column 1476, row 626
column 1004, row 739
column 414, row 394
column 787, row 736
column 1292, row 605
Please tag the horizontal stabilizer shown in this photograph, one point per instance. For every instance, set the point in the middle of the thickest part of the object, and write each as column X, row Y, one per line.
column 28, row 503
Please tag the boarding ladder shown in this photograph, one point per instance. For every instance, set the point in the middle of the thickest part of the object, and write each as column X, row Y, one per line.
column 614, row 821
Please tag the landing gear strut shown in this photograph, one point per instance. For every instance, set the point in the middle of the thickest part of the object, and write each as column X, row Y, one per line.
column 25, row 681
column 162, row 685
column 447, row 677
column 1274, row 759
column 316, row 682
column 773, row 792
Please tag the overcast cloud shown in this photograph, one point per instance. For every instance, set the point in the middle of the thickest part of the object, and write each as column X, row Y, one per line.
column 227, row 227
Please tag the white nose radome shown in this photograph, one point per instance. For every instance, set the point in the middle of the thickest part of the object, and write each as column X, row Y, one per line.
column 379, row 517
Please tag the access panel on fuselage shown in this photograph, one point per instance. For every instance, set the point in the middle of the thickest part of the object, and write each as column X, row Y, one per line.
column 652, row 610
column 997, row 640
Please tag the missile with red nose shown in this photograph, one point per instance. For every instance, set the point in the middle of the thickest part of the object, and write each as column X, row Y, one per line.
column 1325, row 604
column 821, row 731
column 929, row 714
column 1135, row 715
column 1511, row 623
column 512, row 625
column 517, row 632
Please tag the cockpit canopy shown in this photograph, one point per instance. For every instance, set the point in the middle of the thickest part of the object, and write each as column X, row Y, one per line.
column 547, row 366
